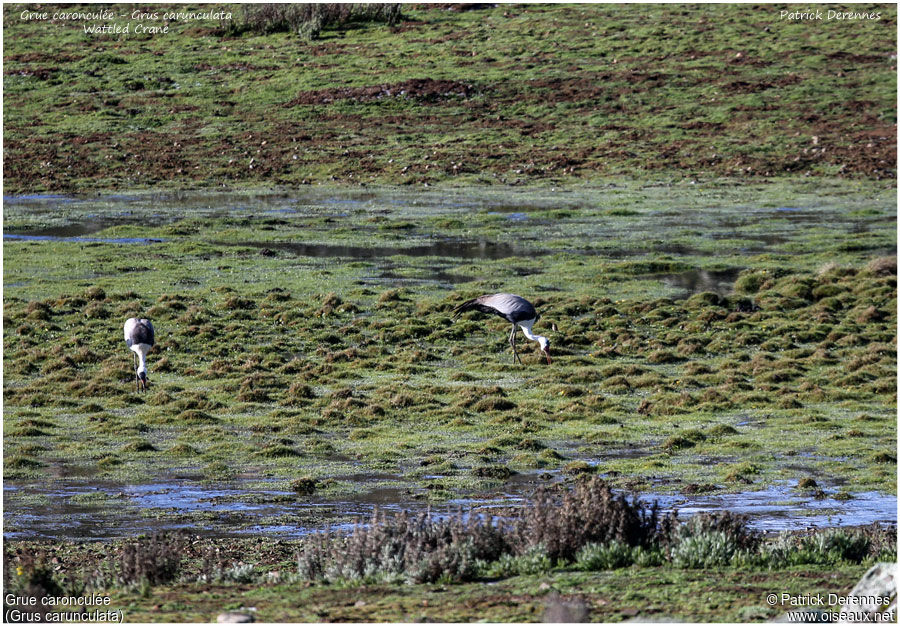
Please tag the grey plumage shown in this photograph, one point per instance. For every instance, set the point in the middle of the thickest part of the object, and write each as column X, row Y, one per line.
column 138, row 331
column 510, row 307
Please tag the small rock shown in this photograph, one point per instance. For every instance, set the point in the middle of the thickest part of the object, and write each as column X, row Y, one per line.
column 879, row 582
column 571, row 611
column 233, row 617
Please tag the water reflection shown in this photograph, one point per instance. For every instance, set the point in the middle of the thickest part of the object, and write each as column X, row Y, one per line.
column 115, row 510
column 446, row 248
column 138, row 240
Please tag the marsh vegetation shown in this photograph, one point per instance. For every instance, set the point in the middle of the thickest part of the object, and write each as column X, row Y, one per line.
column 584, row 533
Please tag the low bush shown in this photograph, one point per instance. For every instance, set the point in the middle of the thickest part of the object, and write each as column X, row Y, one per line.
column 237, row 573
column 710, row 540
column 590, row 513
column 150, row 561
column 612, row 555
column 830, row 547
column 410, row 548
column 703, row 550
column 534, row 561
column 551, row 528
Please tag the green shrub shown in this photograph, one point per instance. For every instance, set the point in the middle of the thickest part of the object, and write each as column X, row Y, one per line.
column 534, row 561
column 647, row 556
column 613, row 555
column 237, row 573
column 705, row 549
column 830, row 547
column 839, row 546
column 710, row 540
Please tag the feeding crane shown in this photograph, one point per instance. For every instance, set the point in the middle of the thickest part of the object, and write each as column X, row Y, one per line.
column 139, row 339
column 514, row 309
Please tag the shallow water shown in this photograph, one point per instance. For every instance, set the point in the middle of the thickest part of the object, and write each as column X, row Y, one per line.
column 753, row 230
column 63, row 232
column 435, row 274
column 447, row 248
column 103, row 510
column 783, row 507
column 697, row 281
column 139, row 240
column 89, row 217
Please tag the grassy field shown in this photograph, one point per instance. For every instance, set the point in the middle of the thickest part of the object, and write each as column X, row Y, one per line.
column 515, row 94
column 700, row 201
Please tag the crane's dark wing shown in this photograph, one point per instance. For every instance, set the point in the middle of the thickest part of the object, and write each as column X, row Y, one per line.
column 147, row 334
column 508, row 306
column 141, row 331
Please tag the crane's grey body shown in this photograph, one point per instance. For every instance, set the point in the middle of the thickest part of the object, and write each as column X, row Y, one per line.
column 514, row 309
column 139, row 337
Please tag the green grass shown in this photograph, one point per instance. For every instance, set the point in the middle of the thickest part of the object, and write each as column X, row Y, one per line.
column 611, row 596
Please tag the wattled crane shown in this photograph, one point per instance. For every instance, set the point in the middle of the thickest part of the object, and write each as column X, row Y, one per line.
column 514, row 309
column 139, row 339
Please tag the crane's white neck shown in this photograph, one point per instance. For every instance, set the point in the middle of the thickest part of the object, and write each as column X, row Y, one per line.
column 141, row 350
column 526, row 328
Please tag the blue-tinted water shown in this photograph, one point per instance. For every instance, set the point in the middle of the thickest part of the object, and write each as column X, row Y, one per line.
column 82, row 510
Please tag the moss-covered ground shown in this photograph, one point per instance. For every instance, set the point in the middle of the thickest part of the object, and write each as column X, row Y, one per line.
column 716, row 338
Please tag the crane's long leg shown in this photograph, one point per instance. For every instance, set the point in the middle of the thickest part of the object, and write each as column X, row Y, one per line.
column 134, row 361
column 512, row 342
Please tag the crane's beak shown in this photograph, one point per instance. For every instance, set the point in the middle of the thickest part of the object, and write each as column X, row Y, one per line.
column 547, row 354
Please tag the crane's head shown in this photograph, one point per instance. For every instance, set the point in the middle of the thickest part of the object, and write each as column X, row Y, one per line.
column 544, row 343
column 142, row 381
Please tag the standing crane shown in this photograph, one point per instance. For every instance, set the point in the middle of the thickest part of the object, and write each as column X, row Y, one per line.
column 139, row 339
column 515, row 310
